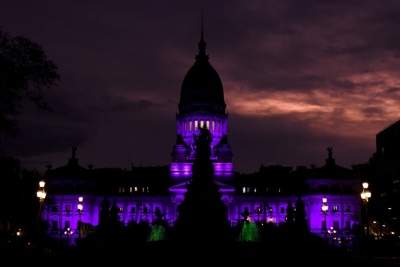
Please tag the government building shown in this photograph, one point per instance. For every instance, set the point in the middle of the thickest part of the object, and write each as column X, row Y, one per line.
column 77, row 196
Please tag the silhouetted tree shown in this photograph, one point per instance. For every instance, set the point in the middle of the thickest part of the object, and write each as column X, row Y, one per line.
column 114, row 221
column 25, row 71
column 300, row 216
column 289, row 213
column 104, row 213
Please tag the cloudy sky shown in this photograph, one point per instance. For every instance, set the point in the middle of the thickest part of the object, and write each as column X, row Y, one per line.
column 298, row 77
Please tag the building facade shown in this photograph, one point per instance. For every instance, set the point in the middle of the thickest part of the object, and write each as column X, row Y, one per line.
column 78, row 194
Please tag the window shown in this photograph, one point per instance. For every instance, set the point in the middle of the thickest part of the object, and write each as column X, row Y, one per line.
column 54, row 209
column 121, row 190
column 218, row 126
column 68, row 187
column 347, row 189
column 136, row 189
column 130, row 189
column 247, row 189
column 190, row 126
column 244, row 189
column 335, row 208
column 348, row 225
column 323, row 224
column 54, row 225
column 142, row 189
column 120, row 209
column 323, row 188
column 68, row 209
column 148, row 189
column 208, row 124
column 201, row 124
column 133, row 209
column 255, row 190
column 213, row 126
column 335, row 189
column 67, row 224
column 347, row 208
column 335, row 225
column 282, row 209
column 196, row 125
column 184, row 126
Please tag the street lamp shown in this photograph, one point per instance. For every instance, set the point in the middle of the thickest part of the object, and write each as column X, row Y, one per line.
column 332, row 233
column 41, row 194
column 80, row 207
column 365, row 195
column 324, row 210
column 258, row 211
column 68, row 232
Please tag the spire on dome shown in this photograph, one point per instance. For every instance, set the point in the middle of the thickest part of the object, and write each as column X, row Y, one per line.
column 202, row 45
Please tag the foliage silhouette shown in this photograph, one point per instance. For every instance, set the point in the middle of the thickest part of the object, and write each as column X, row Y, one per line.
column 25, row 71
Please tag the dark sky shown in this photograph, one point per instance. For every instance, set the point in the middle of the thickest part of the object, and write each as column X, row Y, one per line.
column 298, row 77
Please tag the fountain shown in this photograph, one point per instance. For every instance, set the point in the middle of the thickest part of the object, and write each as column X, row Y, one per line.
column 157, row 233
column 248, row 230
column 158, row 229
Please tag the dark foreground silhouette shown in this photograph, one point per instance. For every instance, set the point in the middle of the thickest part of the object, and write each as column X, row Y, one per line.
column 280, row 251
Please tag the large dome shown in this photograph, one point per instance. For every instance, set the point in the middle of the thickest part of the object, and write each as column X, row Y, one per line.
column 202, row 88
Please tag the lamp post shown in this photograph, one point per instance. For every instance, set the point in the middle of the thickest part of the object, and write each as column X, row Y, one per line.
column 324, row 210
column 41, row 194
column 80, row 207
column 365, row 195
column 258, row 211
column 68, row 232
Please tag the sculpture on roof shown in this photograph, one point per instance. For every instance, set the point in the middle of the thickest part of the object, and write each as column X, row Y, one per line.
column 329, row 152
column 74, row 148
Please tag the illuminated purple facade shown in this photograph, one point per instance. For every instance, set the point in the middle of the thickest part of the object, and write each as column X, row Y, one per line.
column 201, row 103
column 140, row 192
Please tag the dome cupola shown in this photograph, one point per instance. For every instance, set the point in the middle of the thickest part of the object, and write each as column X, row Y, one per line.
column 202, row 87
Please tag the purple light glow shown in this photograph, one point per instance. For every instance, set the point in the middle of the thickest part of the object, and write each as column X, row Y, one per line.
column 138, row 207
column 183, row 171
